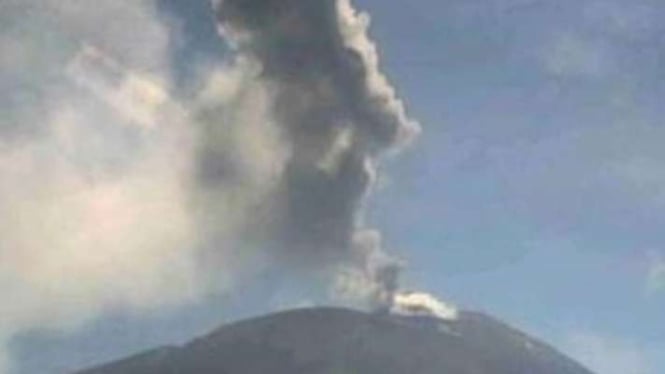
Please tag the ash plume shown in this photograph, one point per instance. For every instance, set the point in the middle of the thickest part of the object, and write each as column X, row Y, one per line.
column 337, row 114
column 136, row 197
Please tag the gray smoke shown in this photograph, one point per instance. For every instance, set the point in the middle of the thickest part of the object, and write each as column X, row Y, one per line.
column 134, row 197
column 337, row 115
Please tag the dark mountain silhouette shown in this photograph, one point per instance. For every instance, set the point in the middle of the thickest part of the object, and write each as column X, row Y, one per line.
column 341, row 341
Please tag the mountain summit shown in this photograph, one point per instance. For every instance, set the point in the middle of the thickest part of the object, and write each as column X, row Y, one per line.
column 342, row 341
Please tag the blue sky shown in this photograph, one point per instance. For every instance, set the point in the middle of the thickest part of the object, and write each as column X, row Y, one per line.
column 536, row 192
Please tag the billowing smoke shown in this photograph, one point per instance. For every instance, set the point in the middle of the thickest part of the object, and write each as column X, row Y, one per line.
column 94, row 164
column 118, row 196
column 337, row 115
column 418, row 303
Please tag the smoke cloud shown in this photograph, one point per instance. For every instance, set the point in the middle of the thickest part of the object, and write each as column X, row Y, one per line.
column 418, row 303
column 94, row 167
column 337, row 115
column 117, row 195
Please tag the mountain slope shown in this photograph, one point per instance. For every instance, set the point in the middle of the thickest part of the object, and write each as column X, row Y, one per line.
column 331, row 341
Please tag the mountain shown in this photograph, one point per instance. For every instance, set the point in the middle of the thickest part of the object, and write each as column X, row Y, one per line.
column 341, row 341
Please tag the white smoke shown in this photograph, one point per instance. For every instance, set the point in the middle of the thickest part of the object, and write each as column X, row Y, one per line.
column 115, row 196
column 354, row 26
column 100, row 209
column 382, row 271
column 89, row 222
column 422, row 304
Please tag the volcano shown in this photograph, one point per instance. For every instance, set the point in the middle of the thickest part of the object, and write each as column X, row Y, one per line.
column 342, row 341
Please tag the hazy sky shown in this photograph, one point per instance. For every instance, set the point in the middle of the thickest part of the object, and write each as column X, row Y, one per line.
column 535, row 193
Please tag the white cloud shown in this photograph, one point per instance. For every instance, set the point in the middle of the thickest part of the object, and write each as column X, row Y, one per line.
column 607, row 354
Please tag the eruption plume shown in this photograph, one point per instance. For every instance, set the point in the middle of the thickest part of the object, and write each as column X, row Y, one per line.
column 338, row 115
column 121, row 193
